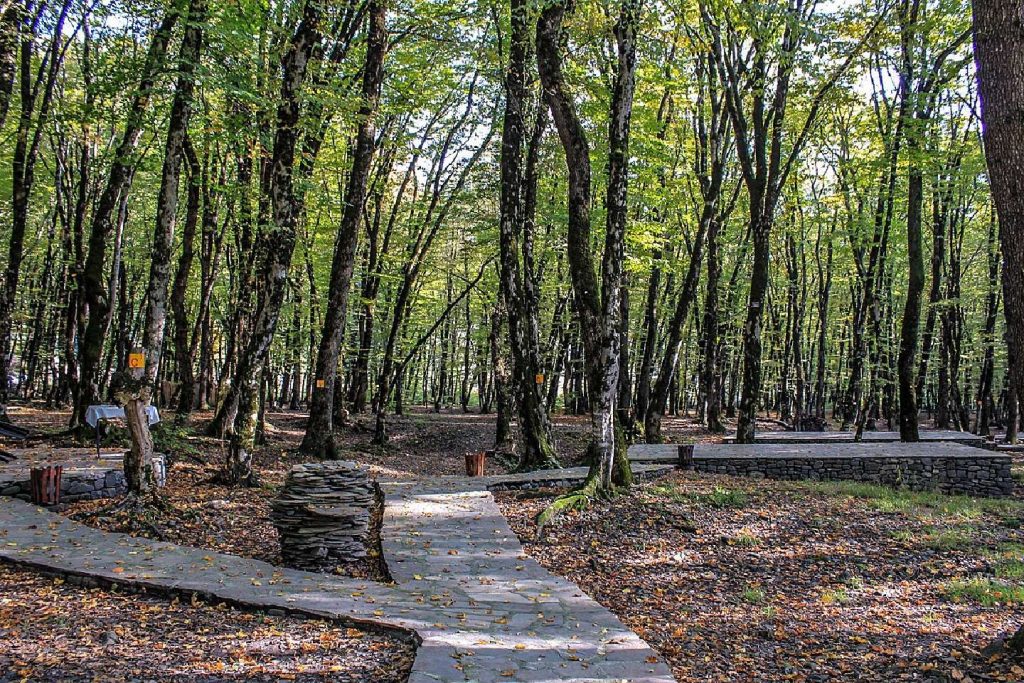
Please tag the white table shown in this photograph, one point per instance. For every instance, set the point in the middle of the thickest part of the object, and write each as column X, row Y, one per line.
column 94, row 414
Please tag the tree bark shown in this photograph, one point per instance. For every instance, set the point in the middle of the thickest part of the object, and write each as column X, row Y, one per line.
column 999, row 53
column 515, row 242
column 167, row 197
column 598, row 310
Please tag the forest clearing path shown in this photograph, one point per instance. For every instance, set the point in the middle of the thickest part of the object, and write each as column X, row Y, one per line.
column 480, row 608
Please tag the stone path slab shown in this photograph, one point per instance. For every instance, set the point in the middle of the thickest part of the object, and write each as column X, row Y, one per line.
column 480, row 608
column 654, row 453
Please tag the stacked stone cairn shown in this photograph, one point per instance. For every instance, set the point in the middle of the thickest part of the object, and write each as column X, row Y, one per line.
column 322, row 515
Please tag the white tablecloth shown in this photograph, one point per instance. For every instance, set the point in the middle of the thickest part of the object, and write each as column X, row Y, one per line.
column 94, row 414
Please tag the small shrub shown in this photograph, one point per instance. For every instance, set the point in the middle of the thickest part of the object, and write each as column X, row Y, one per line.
column 985, row 592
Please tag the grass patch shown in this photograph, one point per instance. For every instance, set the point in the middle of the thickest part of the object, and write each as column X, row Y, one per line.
column 745, row 539
column 174, row 440
column 921, row 503
column 752, row 595
column 838, row 596
column 1008, row 561
column 936, row 539
column 985, row 592
column 718, row 497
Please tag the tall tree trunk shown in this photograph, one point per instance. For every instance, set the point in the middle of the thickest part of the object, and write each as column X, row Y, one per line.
column 999, row 53
column 28, row 138
column 598, row 310
column 985, row 382
column 276, row 248
column 94, row 293
column 319, row 438
column 515, row 242
column 167, row 197
column 10, row 17
column 711, row 376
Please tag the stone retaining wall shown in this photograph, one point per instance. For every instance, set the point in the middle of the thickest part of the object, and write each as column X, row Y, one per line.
column 75, row 484
column 984, row 475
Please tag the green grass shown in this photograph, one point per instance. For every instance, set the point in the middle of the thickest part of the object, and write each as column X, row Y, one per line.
column 718, row 497
column 174, row 440
column 1008, row 561
column 985, row 592
column 838, row 596
column 937, row 539
column 752, row 595
column 744, row 539
column 919, row 503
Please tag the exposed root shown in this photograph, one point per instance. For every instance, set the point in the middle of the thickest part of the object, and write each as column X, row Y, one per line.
column 136, row 515
column 573, row 501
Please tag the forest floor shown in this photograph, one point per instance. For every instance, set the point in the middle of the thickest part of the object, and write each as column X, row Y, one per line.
column 734, row 579
column 730, row 579
column 53, row 631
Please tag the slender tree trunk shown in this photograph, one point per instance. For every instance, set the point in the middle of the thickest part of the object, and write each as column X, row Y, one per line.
column 319, row 438
column 28, row 138
column 599, row 310
column 94, row 293
column 179, row 313
column 516, row 242
column 277, row 247
column 167, row 197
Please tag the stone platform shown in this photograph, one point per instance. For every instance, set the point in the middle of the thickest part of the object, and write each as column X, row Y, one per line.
column 938, row 466
column 926, row 436
column 85, row 476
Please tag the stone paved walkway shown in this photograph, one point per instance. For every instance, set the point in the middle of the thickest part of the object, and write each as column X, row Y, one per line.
column 481, row 609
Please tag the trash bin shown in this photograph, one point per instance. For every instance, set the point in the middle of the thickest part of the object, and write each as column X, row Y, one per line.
column 45, row 484
column 475, row 463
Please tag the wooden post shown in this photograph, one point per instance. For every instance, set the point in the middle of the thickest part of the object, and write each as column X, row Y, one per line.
column 686, row 456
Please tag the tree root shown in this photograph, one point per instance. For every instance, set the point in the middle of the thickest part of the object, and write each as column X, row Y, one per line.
column 135, row 514
column 573, row 501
